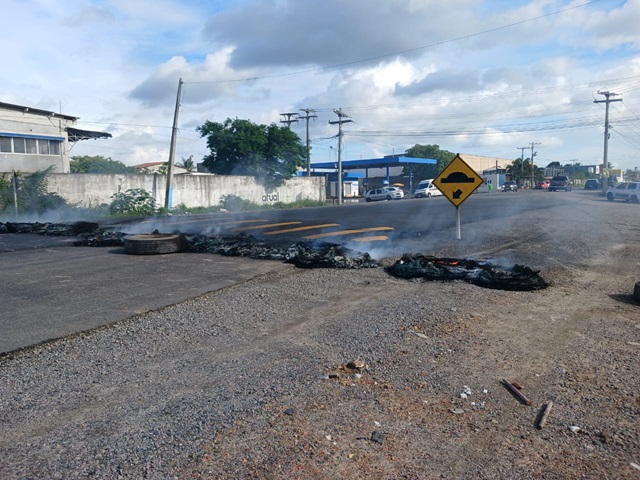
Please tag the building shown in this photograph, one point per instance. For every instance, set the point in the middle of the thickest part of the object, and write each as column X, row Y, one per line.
column 481, row 164
column 32, row 140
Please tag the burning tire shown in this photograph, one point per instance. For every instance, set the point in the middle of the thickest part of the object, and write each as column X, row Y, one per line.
column 153, row 244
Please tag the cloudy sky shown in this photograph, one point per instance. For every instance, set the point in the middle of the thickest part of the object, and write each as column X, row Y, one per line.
column 482, row 77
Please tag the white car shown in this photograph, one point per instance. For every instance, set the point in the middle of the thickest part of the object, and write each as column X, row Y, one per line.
column 387, row 193
column 629, row 191
column 426, row 189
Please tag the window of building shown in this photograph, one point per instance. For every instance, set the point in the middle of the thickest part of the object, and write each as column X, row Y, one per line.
column 5, row 144
column 32, row 146
column 54, row 147
column 43, row 147
column 18, row 145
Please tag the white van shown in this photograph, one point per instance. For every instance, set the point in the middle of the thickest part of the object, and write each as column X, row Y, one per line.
column 425, row 189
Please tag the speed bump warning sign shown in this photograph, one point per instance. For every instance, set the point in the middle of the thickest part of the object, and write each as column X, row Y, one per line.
column 457, row 181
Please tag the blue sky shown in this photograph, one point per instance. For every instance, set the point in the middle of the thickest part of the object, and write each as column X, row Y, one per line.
column 472, row 76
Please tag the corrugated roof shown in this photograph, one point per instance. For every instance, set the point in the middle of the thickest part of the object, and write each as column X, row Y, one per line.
column 35, row 111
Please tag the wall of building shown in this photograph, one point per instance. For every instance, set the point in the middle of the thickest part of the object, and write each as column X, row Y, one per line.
column 480, row 163
column 34, row 125
column 91, row 190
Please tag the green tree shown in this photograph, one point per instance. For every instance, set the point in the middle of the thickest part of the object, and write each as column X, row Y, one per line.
column 187, row 163
column 32, row 195
column 428, row 151
column 240, row 147
column 98, row 164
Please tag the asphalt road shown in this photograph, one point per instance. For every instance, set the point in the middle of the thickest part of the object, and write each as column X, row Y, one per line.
column 51, row 289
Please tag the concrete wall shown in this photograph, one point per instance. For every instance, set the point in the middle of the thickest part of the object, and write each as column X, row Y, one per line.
column 91, row 190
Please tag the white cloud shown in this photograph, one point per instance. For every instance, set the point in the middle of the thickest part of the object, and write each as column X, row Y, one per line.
column 465, row 75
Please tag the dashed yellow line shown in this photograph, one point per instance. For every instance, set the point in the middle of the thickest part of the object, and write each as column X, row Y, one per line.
column 266, row 225
column 301, row 229
column 346, row 232
column 377, row 238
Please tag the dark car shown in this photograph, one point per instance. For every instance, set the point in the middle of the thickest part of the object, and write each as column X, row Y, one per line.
column 592, row 184
column 509, row 187
column 560, row 182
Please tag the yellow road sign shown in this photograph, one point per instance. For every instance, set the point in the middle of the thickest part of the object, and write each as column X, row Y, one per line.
column 457, row 181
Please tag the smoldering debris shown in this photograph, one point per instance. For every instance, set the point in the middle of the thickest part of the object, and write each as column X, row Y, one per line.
column 482, row 274
column 327, row 255
column 53, row 229
column 301, row 254
column 232, row 246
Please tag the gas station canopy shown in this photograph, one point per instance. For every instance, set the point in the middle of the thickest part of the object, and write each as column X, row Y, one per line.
column 384, row 162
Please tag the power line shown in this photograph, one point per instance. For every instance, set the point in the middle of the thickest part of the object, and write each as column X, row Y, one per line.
column 401, row 52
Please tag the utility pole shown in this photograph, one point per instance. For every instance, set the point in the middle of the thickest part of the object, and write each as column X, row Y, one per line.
column 605, row 161
column 308, row 116
column 533, row 182
column 288, row 120
column 172, row 151
column 342, row 118
column 522, row 149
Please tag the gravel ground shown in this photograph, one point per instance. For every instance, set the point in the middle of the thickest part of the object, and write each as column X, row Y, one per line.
column 263, row 380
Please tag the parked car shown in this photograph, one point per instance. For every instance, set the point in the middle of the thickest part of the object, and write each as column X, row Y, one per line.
column 542, row 185
column 509, row 187
column 628, row 191
column 387, row 193
column 396, row 189
column 560, row 182
column 426, row 189
column 592, row 184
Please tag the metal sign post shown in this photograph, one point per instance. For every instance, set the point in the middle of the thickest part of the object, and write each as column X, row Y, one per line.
column 456, row 182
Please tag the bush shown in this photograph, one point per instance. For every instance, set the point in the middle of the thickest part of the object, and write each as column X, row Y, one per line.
column 233, row 203
column 135, row 201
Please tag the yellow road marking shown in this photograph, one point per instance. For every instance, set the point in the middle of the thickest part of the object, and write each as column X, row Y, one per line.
column 346, row 232
column 377, row 238
column 300, row 229
column 266, row 225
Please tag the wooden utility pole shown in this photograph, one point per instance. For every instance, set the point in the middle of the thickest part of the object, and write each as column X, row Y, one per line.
column 605, row 160
column 172, row 151
column 342, row 118
column 288, row 118
column 522, row 149
column 533, row 175
column 308, row 116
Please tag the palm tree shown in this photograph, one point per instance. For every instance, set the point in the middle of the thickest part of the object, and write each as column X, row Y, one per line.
column 188, row 164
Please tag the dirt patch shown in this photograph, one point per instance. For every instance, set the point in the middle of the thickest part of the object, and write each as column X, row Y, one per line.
column 433, row 404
